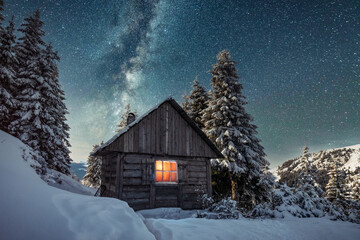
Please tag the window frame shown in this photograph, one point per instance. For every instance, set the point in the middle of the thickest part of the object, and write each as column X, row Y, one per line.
column 177, row 172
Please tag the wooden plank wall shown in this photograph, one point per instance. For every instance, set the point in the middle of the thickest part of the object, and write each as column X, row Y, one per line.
column 195, row 182
column 108, row 175
column 163, row 132
column 137, row 185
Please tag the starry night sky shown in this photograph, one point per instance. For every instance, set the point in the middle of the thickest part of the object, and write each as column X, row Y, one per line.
column 299, row 62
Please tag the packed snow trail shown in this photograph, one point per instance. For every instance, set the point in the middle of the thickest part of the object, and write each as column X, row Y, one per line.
column 31, row 209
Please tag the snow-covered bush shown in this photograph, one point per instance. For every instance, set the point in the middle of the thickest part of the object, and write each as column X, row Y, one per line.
column 207, row 201
column 283, row 202
column 304, row 202
column 353, row 212
column 224, row 209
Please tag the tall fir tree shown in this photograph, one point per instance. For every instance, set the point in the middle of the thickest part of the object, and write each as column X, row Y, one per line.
column 308, row 175
column 230, row 127
column 336, row 189
column 8, row 62
column 347, row 188
column 186, row 104
column 307, row 188
column 27, row 126
column 125, row 117
column 54, row 111
column 355, row 193
column 92, row 177
column 196, row 102
column 40, row 116
column 332, row 186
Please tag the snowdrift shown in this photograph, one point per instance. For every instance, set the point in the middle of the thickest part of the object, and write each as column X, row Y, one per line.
column 31, row 209
column 290, row 228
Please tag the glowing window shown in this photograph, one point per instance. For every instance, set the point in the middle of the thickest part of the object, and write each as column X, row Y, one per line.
column 166, row 171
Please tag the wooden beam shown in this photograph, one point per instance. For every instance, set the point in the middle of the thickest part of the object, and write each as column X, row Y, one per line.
column 180, row 194
column 119, row 175
column 208, row 173
column 167, row 129
column 152, row 195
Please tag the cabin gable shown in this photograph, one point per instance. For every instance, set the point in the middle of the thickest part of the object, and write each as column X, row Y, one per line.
column 163, row 131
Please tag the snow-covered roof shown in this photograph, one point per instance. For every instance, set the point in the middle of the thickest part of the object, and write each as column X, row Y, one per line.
column 179, row 109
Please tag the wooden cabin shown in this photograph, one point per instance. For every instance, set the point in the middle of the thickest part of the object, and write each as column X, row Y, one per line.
column 161, row 159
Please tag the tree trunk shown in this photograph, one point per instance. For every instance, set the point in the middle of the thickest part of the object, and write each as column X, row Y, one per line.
column 234, row 190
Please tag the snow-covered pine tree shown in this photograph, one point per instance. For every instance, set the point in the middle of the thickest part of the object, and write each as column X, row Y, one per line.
column 230, row 127
column 304, row 175
column 309, row 172
column 92, row 177
column 355, row 193
column 348, row 179
column 27, row 125
column 307, row 190
column 306, row 152
column 332, row 186
column 55, row 142
column 343, row 195
column 196, row 102
column 186, row 104
column 7, row 75
column 40, row 115
column 124, row 117
column 336, row 189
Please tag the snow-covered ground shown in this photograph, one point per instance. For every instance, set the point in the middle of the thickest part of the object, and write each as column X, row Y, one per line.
column 275, row 173
column 69, row 184
column 174, row 223
column 287, row 228
column 31, row 209
column 354, row 160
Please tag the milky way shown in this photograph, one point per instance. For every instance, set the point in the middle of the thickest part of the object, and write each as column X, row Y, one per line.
column 298, row 61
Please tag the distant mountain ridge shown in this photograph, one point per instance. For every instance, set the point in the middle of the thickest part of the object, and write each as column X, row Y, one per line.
column 345, row 159
column 79, row 169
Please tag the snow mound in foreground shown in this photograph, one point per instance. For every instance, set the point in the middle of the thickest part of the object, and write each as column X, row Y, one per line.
column 31, row 209
column 289, row 228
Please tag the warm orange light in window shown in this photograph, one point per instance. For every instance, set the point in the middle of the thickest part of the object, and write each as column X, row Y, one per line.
column 166, row 171
column 173, row 166
column 166, row 177
column 173, row 176
column 158, row 165
column 166, row 166
column 159, row 176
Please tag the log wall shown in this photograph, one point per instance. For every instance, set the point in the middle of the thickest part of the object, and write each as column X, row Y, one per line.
column 131, row 178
